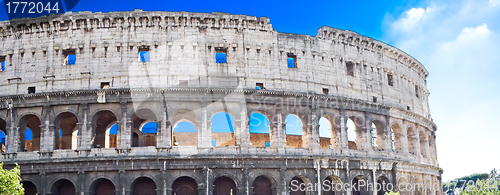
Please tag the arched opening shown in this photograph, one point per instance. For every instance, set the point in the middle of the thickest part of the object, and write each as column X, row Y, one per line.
column 66, row 125
column 145, row 127
column 110, row 136
column 259, row 130
column 423, row 144
column 378, row 135
column 29, row 133
column 326, row 134
column 3, row 136
column 262, row 186
column 29, row 188
column 431, row 147
column 63, row 187
column 224, row 186
column 397, row 138
column 143, row 186
column 184, row 134
column 294, row 131
column 2, row 141
column 403, row 187
column 185, row 186
column 383, row 182
column 102, row 122
column 412, row 141
column 373, row 133
column 103, row 187
column 149, row 130
column 332, row 186
column 297, row 186
column 354, row 135
column 418, row 187
column 359, row 184
column 222, row 129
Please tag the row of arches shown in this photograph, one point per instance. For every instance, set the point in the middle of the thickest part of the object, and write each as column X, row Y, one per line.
column 224, row 185
column 144, row 132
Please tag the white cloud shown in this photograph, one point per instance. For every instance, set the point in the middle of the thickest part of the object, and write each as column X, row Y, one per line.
column 494, row 2
column 459, row 44
column 412, row 19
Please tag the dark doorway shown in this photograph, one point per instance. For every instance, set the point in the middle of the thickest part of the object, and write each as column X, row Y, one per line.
column 330, row 190
column 382, row 181
column 144, row 186
column 262, row 186
column 185, row 186
column 29, row 188
column 104, row 187
column 225, row 186
column 297, row 186
column 63, row 187
column 359, row 186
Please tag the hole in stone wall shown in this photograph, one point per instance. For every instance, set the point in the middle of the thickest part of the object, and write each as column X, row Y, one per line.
column 349, row 68
column 390, row 80
column 104, row 85
column 292, row 60
column 416, row 91
column 31, row 90
column 259, row 86
column 325, row 91
column 69, row 57
column 374, row 99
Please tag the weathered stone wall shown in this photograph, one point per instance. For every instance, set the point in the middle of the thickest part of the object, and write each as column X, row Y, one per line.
column 183, row 48
column 183, row 82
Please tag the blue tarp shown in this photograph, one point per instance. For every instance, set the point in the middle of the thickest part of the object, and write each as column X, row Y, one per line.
column 290, row 63
column 71, row 59
column 144, row 56
column 220, row 57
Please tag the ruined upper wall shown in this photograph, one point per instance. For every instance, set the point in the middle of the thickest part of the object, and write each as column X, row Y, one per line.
column 183, row 46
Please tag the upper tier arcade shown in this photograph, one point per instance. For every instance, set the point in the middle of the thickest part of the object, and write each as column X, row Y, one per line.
column 183, row 49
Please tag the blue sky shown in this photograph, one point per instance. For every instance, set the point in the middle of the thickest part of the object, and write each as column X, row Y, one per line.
column 457, row 41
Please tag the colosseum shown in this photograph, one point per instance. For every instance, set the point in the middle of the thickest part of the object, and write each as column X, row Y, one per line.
column 124, row 103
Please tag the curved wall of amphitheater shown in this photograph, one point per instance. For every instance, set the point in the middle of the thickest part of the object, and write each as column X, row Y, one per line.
column 339, row 75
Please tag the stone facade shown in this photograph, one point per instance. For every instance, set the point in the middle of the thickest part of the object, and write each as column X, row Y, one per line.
column 339, row 75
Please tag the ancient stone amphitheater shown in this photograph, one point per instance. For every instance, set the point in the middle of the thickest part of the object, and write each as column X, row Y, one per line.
column 77, row 91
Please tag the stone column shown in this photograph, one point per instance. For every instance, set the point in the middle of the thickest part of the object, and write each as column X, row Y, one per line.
column 50, row 136
column 165, row 138
column 204, row 135
column 166, row 189
column 343, row 130
column 404, row 138
column 121, row 188
column 278, row 134
column 388, row 142
column 80, row 185
column 123, row 137
column 43, row 183
column 244, row 135
column 12, row 130
column 245, row 188
column 207, row 187
column 313, row 128
column 283, row 185
column 374, row 178
column 85, row 130
column 427, row 149
column 46, row 134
